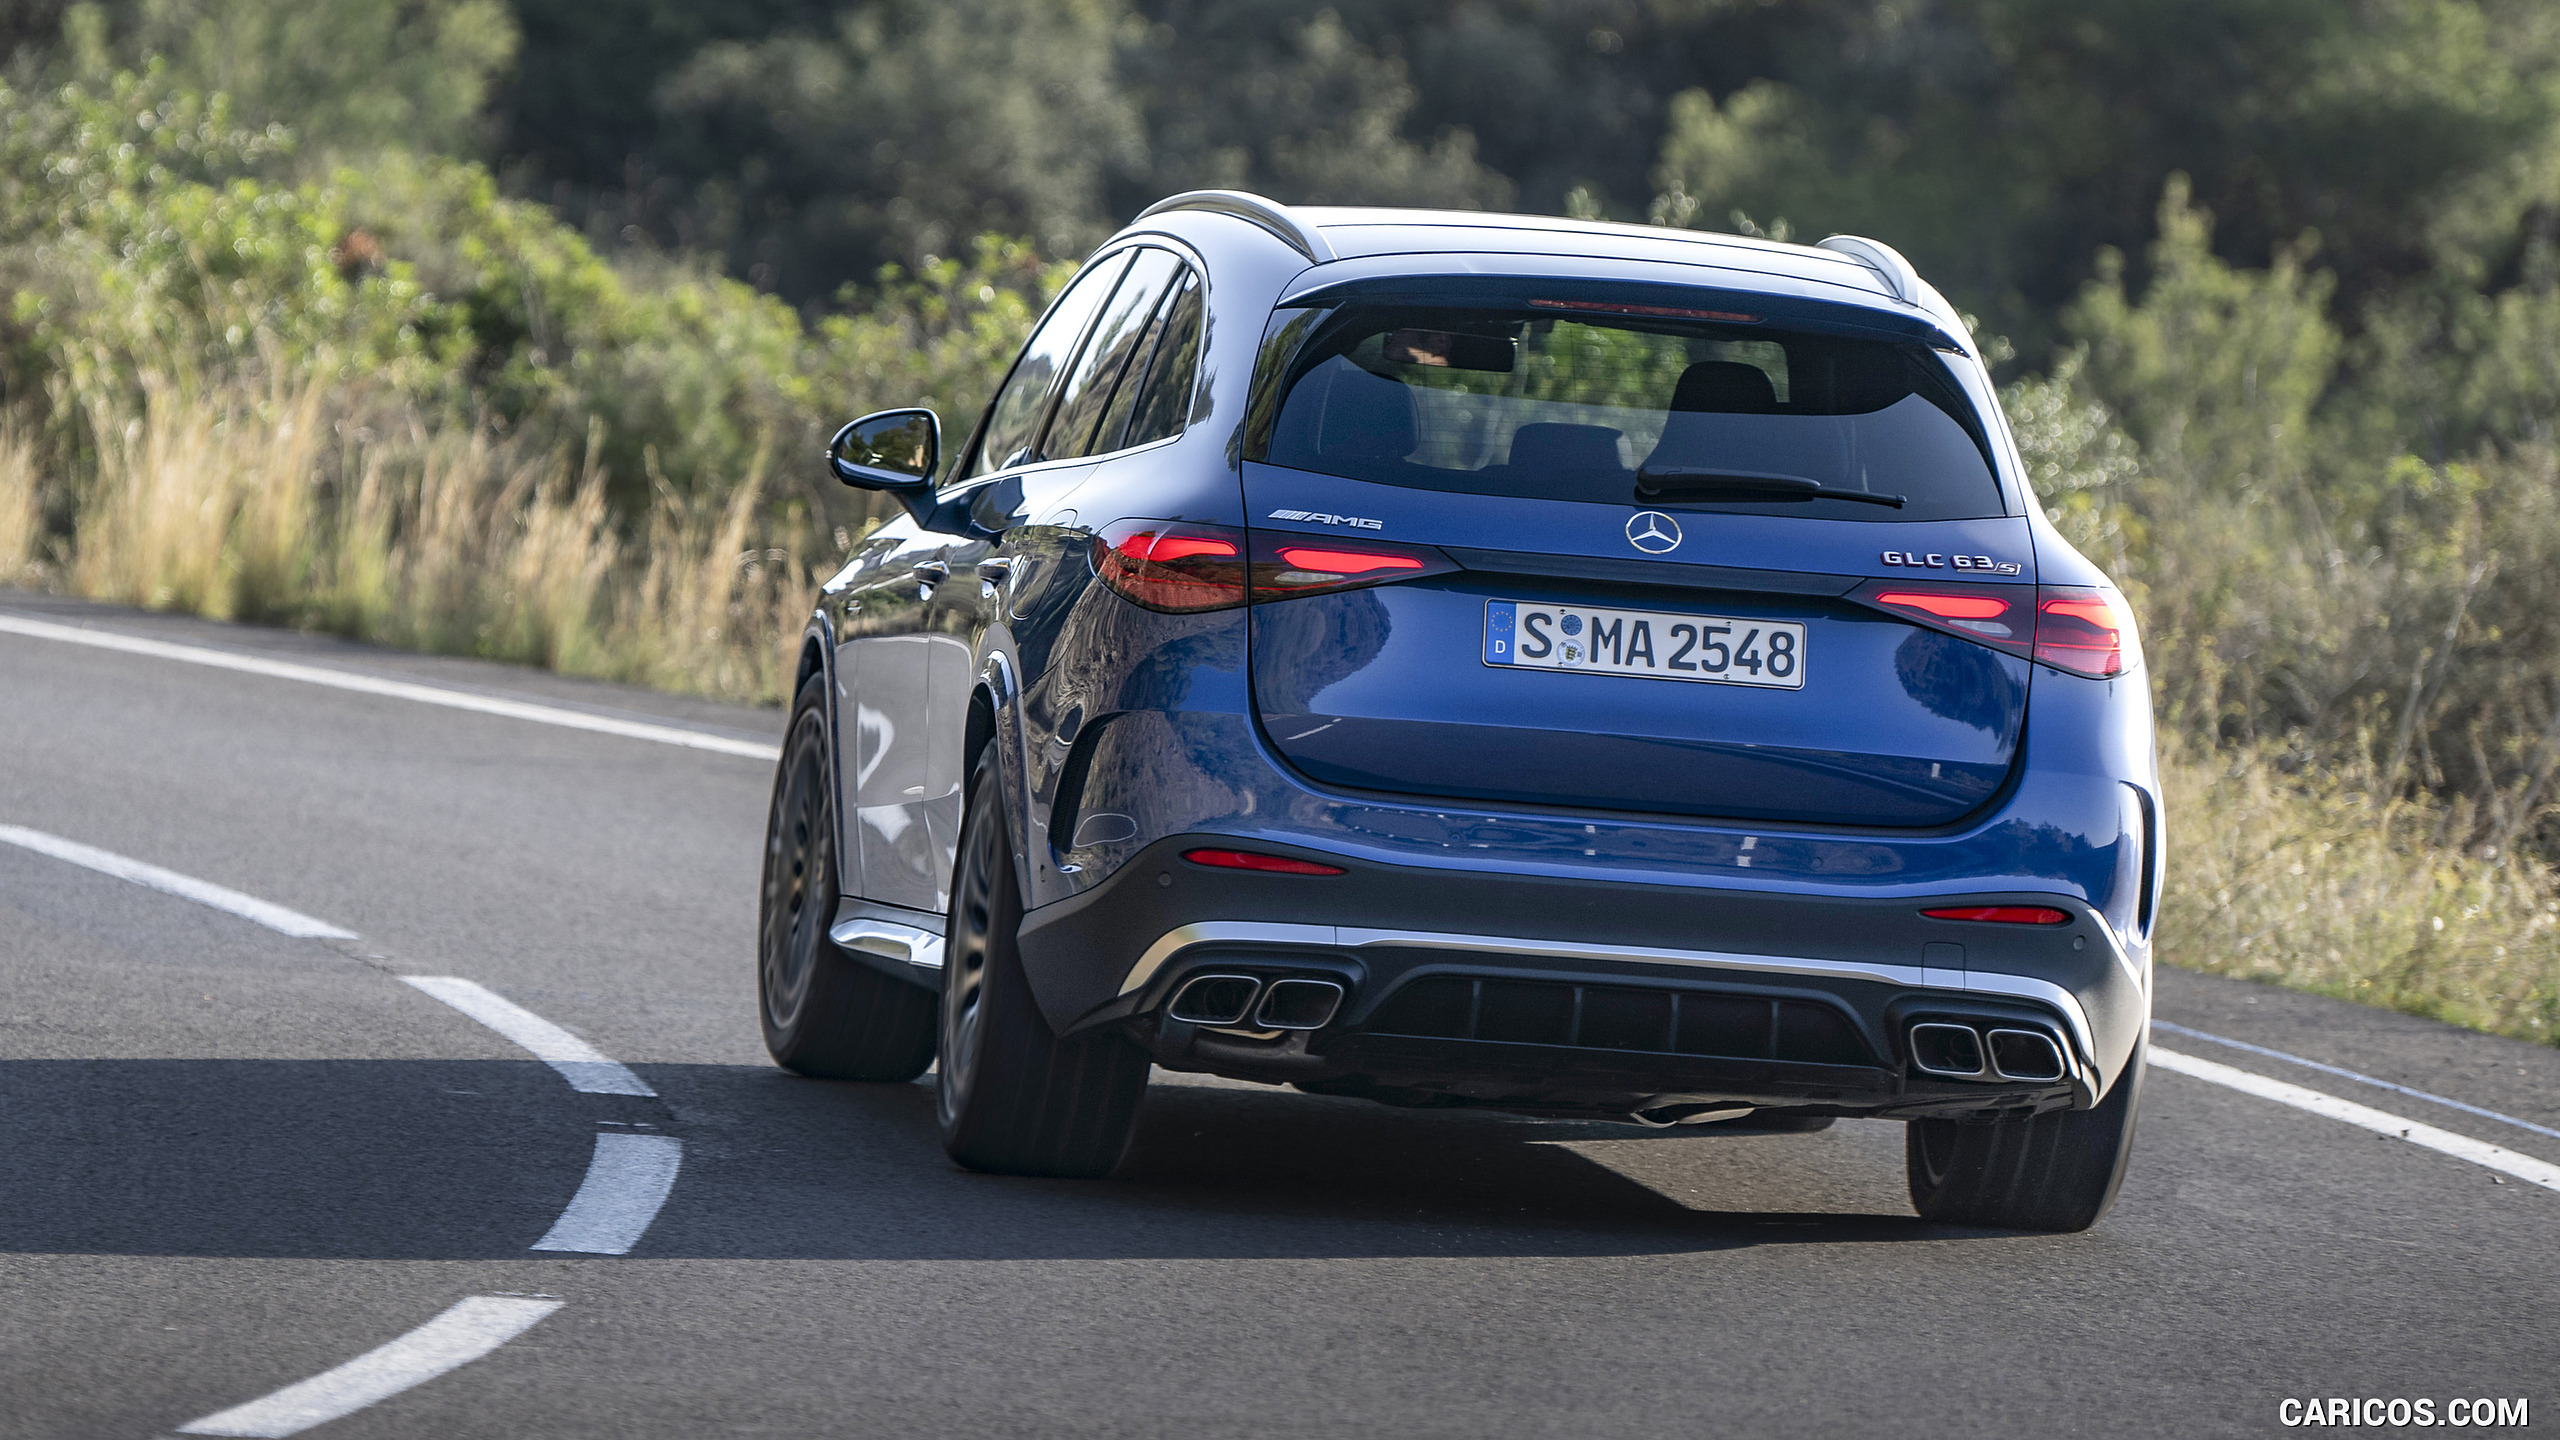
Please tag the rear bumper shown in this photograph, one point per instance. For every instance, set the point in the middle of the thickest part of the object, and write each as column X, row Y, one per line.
column 1576, row 995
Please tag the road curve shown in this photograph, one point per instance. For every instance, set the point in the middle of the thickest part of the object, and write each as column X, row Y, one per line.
column 242, row 1161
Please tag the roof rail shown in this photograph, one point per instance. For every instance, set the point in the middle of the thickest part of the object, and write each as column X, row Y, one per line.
column 1886, row 261
column 1271, row 215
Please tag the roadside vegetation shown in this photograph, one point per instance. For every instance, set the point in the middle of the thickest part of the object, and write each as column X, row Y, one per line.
column 468, row 327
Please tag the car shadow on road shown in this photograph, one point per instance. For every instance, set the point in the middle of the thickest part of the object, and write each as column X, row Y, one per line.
column 462, row 1160
column 857, row 1171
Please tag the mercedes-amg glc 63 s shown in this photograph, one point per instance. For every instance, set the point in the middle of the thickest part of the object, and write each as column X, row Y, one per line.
column 1471, row 660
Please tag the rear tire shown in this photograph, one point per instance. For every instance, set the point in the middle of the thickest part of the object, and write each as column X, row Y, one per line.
column 1015, row 1099
column 2055, row 1171
column 825, row 1013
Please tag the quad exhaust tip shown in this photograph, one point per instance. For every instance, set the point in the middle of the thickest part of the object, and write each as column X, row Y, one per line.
column 1960, row 1052
column 1298, row 1004
column 1215, row 999
column 1224, row 1001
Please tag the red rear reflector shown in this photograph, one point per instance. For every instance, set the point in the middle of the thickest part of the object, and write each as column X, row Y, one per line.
column 2086, row 631
column 1344, row 562
column 1947, row 607
column 1255, row 860
column 2003, row 914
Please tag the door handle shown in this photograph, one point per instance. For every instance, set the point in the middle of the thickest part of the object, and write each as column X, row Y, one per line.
column 995, row 572
column 932, row 572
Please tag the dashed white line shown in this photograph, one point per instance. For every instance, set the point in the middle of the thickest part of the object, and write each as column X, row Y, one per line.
column 170, row 882
column 394, row 689
column 584, row 1066
column 2380, row 1122
column 626, row 1184
column 453, row 1339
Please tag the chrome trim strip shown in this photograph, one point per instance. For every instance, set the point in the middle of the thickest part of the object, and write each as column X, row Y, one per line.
column 1984, row 982
column 912, row 944
column 1183, row 937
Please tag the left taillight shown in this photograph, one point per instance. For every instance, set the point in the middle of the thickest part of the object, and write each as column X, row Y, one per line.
column 1173, row 566
column 1287, row 565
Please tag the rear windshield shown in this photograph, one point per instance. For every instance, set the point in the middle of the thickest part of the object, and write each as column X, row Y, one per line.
column 1574, row 400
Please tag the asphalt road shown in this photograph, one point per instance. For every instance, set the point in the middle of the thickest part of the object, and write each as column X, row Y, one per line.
column 232, row 1159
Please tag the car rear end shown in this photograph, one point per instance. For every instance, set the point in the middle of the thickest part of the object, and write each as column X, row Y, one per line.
column 1665, row 703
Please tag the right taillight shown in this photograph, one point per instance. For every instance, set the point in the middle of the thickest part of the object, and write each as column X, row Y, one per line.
column 2086, row 630
column 1172, row 566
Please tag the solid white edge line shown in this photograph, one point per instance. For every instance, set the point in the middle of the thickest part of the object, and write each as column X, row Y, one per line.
column 2345, row 1074
column 584, row 1066
column 2380, row 1122
column 453, row 1339
column 170, row 882
column 394, row 689
column 627, row 1182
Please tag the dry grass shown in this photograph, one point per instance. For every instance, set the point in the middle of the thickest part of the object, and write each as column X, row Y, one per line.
column 305, row 507
column 2307, row 880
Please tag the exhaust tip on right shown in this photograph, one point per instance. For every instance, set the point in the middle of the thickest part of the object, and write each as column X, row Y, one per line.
column 1298, row 1004
column 2025, row 1055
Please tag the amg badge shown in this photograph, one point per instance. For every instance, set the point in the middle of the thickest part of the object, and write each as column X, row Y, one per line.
column 1318, row 517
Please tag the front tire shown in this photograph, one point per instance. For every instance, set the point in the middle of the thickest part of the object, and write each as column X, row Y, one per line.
column 2056, row 1171
column 825, row 1013
column 1014, row 1099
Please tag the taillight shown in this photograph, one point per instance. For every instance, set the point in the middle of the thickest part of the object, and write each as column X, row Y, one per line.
column 2086, row 630
column 1978, row 613
column 2003, row 914
column 1286, row 565
column 1172, row 566
column 1256, row 860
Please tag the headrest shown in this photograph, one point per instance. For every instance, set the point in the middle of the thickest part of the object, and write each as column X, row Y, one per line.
column 1566, row 447
column 1366, row 415
column 1727, row 387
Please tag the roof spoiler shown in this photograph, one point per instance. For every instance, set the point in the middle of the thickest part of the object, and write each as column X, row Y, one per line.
column 1902, row 282
column 1253, row 209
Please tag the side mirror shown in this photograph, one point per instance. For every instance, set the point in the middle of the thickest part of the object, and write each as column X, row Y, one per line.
column 890, row 450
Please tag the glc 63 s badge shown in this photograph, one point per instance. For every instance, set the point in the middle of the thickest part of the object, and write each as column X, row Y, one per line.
column 1971, row 564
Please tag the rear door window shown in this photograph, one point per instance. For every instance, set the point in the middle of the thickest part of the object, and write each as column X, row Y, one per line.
column 1013, row 422
column 1579, row 400
column 1117, row 336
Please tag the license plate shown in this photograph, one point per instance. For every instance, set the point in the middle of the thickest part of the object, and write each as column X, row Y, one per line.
column 1715, row 649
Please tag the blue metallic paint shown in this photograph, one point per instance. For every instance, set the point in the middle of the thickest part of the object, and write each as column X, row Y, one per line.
column 1161, row 711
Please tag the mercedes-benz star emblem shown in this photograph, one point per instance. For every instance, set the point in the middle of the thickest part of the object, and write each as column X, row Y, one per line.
column 1653, row 532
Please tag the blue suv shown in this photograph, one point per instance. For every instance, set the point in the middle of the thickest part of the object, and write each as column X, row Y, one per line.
column 1471, row 660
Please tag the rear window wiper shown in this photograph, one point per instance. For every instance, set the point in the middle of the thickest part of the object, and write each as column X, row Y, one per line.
column 1680, row 482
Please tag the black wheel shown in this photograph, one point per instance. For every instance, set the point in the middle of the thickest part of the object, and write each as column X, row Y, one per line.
column 825, row 1013
column 1013, row 1097
column 2055, row 1171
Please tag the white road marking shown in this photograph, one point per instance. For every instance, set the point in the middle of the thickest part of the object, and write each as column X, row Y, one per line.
column 453, row 1339
column 2380, row 1122
column 170, row 882
column 395, row 689
column 581, row 1064
column 2346, row 1074
column 626, row 1184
